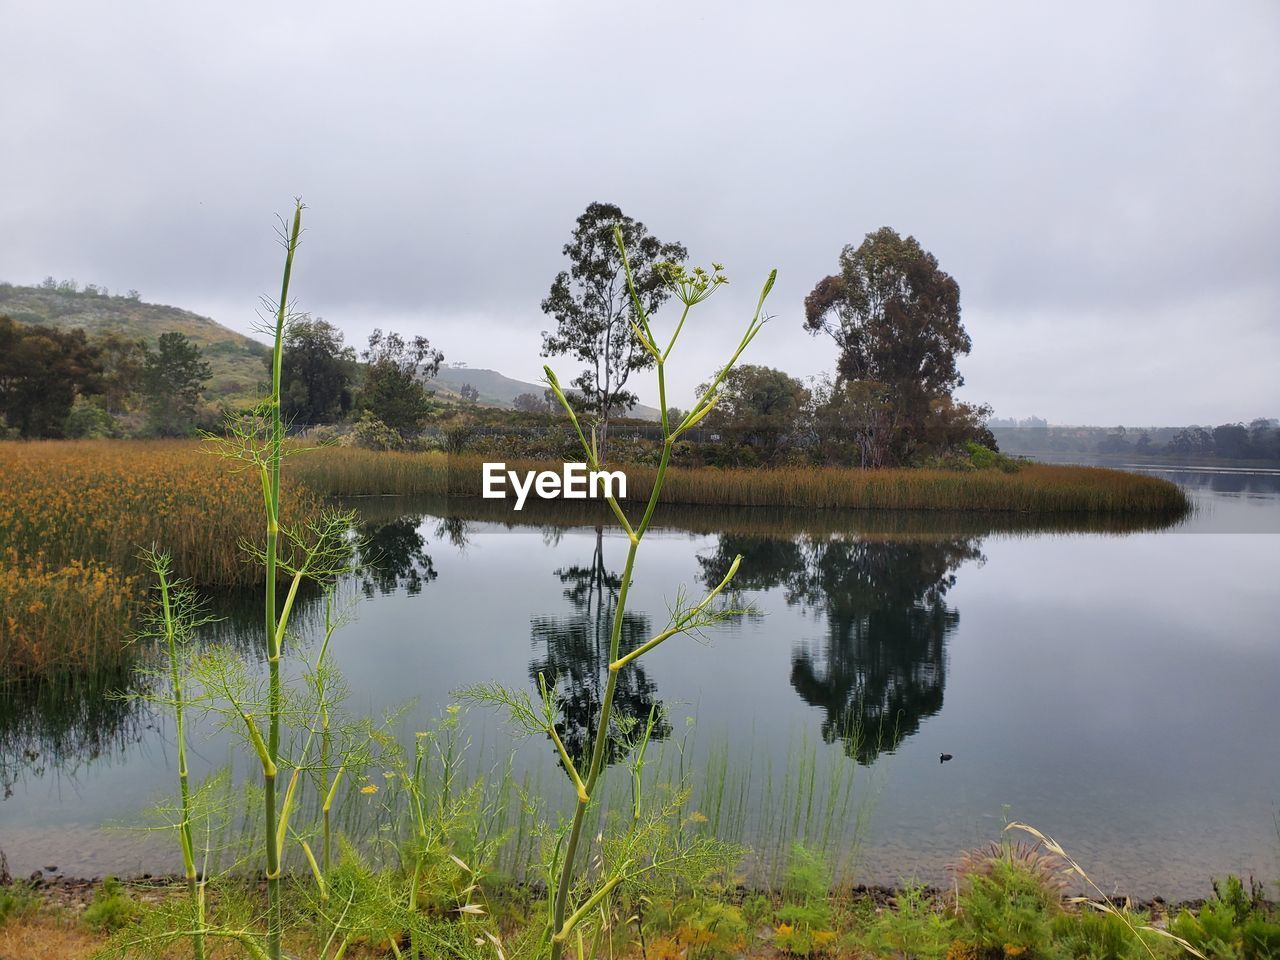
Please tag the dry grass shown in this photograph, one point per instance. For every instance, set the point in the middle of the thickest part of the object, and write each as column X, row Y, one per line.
column 54, row 620
column 47, row 936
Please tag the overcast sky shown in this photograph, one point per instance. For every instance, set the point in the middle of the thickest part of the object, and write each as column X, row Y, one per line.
column 1100, row 178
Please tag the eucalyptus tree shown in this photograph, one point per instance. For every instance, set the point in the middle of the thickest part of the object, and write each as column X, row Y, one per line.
column 394, row 387
column 597, row 315
column 895, row 315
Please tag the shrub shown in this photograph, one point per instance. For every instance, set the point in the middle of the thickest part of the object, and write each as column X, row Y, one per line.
column 17, row 900
column 1097, row 935
column 370, row 433
column 1008, row 897
column 698, row 928
column 914, row 930
column 804, row 920
column 984, row 458
column 88, row 421
column 1234, row 924
column 111, row 908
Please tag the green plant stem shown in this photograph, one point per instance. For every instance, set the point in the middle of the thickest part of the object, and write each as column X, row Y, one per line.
column 194, row 883
column 597, row 760
column 275, row 919
column 562, row 924
column 606, row 712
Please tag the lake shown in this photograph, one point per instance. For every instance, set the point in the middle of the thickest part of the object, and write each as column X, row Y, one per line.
column 1115, row 686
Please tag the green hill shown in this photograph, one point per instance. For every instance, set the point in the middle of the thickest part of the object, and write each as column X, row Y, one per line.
column 238, row 362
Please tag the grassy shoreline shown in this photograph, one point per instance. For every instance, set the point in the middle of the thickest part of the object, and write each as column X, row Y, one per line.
column 73, row 919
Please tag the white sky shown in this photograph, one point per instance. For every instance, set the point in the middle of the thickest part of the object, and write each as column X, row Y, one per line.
column 1100, row 178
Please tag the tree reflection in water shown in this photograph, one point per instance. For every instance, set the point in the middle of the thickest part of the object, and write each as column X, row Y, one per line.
column 61, row 727
column 576, row 657
column 392, row 555
column 881, row 668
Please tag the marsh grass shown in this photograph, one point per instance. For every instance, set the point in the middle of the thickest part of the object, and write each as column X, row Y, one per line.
column 60, row 621
column 101, row 501
column 73, row 518
column 1035, row 489
column 763, row 522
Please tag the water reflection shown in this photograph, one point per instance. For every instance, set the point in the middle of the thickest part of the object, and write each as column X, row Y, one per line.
column 57, row 728
column 576, row 657
column 393, row 555
column 881, row 668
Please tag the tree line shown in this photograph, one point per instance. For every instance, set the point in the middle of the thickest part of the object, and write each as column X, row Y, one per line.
column 66, row 384
column 891, row 312
column 1259, row 439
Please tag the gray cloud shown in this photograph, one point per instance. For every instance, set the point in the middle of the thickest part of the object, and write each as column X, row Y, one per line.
column 1098, row 177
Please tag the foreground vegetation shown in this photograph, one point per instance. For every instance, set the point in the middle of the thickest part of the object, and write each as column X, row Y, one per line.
column 1006, row 902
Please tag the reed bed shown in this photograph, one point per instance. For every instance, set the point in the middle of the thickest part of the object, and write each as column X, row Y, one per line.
column 74, row 517
column 105, row 500
column 53, row 620
column 353, row 472
column 767, row 522
column 1035, row 489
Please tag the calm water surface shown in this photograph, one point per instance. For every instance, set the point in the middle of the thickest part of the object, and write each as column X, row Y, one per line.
column 1119, row 689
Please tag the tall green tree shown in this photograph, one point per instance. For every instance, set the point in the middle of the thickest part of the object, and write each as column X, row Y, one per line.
column 173, row 377
column 760, row 406
column 123, row 361
column 594, row 312
column 316, row 372
column 394, row 387
column 895, row 316
column 42, row 372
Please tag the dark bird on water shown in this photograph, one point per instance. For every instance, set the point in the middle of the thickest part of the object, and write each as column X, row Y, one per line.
column 944, row 758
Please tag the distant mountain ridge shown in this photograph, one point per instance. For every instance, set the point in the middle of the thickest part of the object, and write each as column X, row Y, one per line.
column 238, row 362
column 497, row 390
